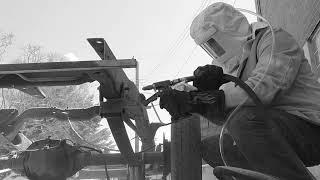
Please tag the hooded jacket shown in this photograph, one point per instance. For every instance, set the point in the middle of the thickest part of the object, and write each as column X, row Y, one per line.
column 286, row 82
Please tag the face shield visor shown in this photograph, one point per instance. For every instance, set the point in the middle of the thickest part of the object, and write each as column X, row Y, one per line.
column 223, row 46
column 213, row 48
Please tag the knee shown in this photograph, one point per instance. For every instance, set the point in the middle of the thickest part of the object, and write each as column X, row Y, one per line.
column 210, row 145
column 210, row 151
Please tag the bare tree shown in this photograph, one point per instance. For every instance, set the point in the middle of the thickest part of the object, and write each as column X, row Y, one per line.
column 6, row 40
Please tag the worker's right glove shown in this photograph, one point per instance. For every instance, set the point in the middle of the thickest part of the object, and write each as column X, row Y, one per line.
column 208, row 77
column 177, row 103
column 209, row 104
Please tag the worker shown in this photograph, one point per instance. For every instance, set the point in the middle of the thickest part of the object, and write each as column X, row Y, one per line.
column 280, row 140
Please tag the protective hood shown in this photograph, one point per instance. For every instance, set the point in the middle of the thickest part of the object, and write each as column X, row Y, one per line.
column 218, row 17
column 221, row 31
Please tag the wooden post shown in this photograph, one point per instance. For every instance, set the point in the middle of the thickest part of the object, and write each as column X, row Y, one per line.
column 185, row 150
column 136, row 172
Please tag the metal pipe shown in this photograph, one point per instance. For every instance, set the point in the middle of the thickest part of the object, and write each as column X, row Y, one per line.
column 117, row 158
column 11, row 164
column 94, row 160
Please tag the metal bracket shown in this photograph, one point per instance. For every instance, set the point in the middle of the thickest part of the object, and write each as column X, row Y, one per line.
column 116, row 108
column 112, row 107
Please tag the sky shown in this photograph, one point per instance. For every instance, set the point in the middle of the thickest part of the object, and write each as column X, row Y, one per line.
column 156, row 33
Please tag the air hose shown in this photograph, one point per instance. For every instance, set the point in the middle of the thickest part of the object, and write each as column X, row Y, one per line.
column 245, row 87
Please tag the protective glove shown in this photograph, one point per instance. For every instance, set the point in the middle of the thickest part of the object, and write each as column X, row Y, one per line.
column 179, row 104
column 209, row 104
column 208, row 77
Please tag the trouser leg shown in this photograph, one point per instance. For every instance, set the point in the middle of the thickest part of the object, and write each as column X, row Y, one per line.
column 265, row 140
column 210, row 152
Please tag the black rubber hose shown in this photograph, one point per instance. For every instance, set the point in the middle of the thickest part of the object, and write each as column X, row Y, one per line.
column 245, row 87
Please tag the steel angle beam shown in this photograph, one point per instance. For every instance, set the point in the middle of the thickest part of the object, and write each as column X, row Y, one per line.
column 21, row 76
column 66, row 66
column 120, row 135
column 112, row 88
column 102, row 49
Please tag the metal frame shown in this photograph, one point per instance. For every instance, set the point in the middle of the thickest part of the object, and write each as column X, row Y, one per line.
column 120, row 100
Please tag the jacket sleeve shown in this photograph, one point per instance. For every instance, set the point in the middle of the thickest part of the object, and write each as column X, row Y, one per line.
column 269, row 77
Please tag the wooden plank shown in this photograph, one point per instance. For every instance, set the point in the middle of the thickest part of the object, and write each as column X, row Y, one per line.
column 185, row 150
column 298, row 17
column 136, row 172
